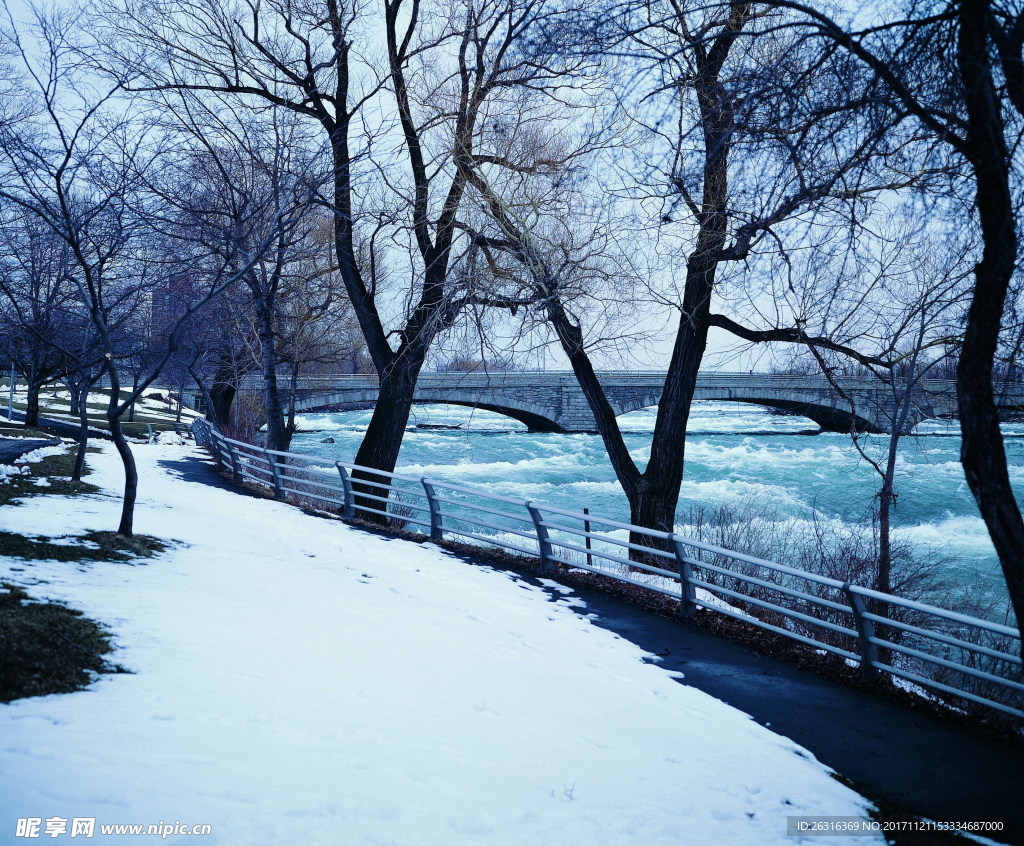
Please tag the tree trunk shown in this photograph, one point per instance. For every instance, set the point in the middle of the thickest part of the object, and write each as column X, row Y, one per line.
column 131, row 479
column 883, row 574
column 75, row 392
column 278, row 436
column 207, row 399
column 131, row 408
column 131, row 473
column 222, row 395
column 982, row 452
column 663, row 476
column 291, row 399
column 652, row 509
column 181, row 398
column 902, row 402
column 83, row 431
column 383, row 439
column 32, row 402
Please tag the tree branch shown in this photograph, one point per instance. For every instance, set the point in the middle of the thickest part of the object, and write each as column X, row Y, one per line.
column 793, row 335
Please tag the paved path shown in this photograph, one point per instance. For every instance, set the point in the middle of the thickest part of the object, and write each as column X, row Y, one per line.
column 13, row 448
column 68, row 430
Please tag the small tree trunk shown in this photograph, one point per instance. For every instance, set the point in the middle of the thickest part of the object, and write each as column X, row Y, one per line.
column 83, row 432
column 887, row 495
column 131, row 473
column 75, row 392
column 278, row 436
column 291, row 399
column 32, row 402
column 131, row 478
column 131, row 408
column 181, row 398
column 883, row 576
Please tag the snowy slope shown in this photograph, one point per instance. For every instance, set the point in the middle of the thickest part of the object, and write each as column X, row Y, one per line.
column 299, row 682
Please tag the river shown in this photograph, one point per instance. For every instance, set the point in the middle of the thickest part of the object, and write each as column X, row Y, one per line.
column 743, row 463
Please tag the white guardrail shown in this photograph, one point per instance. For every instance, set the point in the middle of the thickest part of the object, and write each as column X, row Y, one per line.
column 945, row 652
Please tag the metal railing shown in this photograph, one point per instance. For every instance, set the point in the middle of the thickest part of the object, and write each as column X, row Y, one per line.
column 943, row 651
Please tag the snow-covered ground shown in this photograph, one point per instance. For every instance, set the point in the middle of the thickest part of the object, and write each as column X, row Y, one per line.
column 299, row 682
column 56, row 403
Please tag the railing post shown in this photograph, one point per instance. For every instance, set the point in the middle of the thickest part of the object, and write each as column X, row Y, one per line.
column 436, row 525
column 543, row 539
column 348, row 510
column 276, row 471
column 236, row 464
column 586, row 528
column 213, row 444
column 687, row 590
column 865, row 631
column 222, row 448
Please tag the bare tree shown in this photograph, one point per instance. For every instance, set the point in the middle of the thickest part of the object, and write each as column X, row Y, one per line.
column 955, row 70
column 403, row 129
column 246, row 161
column 753, row 142
column 38, row 306
column 914, row 322
column 48, row 331
column 75, row 165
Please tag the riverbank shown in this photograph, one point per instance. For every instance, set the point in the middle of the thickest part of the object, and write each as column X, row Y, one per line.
column 758, row 481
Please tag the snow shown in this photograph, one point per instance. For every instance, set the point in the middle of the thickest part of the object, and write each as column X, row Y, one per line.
column 56, row 404
column 297, row 681
column 9, row 470
column 20, row 467
column 41, row 453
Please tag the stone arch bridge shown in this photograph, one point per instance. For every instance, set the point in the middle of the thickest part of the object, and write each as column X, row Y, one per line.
column 553, row 402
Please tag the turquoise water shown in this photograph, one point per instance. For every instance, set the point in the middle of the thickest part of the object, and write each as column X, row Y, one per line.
column 738, row 456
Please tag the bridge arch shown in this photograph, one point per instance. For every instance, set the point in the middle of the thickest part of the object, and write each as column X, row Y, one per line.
column 535, row 418
column 830, row 417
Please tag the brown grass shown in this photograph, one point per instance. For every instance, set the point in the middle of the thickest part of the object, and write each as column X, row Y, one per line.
column 47, row 647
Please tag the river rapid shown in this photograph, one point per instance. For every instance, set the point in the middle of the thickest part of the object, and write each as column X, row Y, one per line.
column 742, row 462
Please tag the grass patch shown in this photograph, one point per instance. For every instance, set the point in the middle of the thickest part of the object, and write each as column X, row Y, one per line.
column 139, row 428
column 92, row 546
column 56, row 469
column 17, row 431
column 47, row 647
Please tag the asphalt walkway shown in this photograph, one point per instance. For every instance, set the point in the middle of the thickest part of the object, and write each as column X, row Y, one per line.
column 13, row 448
column 68, row 430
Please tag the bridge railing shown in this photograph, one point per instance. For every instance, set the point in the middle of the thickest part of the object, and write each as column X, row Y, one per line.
column 560, row 377
column 938, row 652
